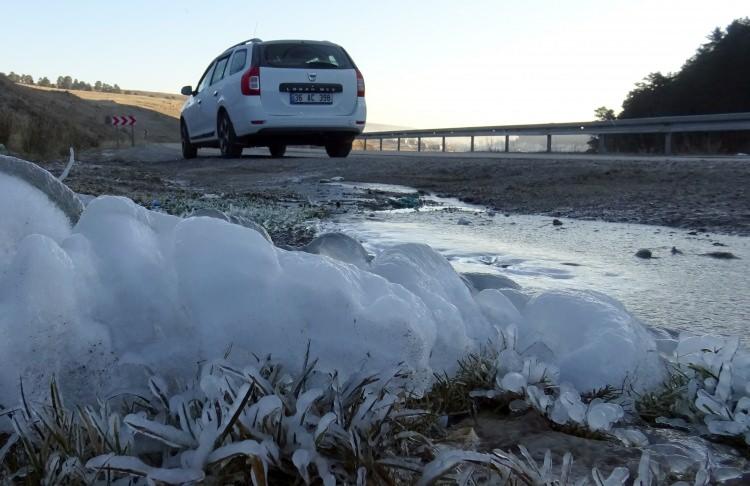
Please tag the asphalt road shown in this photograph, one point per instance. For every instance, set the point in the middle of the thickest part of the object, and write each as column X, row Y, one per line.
column 707, row 194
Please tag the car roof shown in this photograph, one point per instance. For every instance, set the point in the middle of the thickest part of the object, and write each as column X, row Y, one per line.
column 299, row 41
column 272, row 42
column 279, row 41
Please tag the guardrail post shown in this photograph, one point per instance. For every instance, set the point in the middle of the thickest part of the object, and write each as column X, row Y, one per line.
column 549, row 143
column 472, row 143
column 507, row 143
column 398, row 144
column 602, row 149
column 381, row 144
column 419, row 144
column 668, row 143
column 364, row 145
column 443, row 144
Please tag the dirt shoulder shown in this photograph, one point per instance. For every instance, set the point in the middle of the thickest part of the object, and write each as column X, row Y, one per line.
column 707, row 195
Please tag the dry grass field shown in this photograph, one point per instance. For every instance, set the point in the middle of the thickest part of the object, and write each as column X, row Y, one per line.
column 164, row 103
column 43, row 122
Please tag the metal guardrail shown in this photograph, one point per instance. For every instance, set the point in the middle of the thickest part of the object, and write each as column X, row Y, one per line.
column 666, row 125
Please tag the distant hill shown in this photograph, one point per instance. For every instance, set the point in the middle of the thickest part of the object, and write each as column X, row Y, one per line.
column 44, row 122
column 164, row 103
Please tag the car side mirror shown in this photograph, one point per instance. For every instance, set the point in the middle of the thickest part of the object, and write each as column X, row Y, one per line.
column 187, row 90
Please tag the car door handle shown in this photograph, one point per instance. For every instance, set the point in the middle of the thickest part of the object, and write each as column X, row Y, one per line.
column 215, row 93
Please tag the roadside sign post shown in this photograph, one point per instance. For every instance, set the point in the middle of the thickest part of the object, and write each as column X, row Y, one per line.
column 118, row 121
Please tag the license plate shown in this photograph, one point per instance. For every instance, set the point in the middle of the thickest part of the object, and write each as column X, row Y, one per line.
column 311, row 98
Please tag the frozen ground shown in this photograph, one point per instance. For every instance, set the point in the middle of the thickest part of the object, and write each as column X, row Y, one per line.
column 104, row 302
column 128, row 287
column 696, row 193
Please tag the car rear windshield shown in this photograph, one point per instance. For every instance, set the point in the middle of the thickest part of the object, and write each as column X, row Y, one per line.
column 304, row 55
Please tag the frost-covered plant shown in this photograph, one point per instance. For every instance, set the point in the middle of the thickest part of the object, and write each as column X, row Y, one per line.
column 50, row 442
column 522, row 382
column 263, row 425
column 234, row 424
column 288, row 222
column 704, row 392
column 498, row 467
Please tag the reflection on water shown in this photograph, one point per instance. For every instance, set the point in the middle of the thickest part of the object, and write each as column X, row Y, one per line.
column 686, row 291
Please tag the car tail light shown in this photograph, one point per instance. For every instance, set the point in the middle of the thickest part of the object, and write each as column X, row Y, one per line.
column 251, row 82
column 360, row 85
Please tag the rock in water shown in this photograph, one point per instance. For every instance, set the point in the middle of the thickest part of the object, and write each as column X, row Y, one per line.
column 722, row 255
column 339, row 247
column 557, row 222
column 644, row 253
column 675, row 251
column 463, row 221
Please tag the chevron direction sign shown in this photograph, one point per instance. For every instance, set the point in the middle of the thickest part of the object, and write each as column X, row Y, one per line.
column 122, row 121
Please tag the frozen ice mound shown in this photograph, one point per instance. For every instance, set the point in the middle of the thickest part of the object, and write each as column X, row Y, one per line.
column 596, row 342
column 483, row 281
column 430, row 277
column 265, row 300
column 127, row 289
column 25, row 210
column 340, row 247
column 57, row 193
column 497, row 308
column 236, row 219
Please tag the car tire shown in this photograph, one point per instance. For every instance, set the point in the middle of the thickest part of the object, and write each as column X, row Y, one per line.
column 189, row 151
column 228, row 145
column 339, row 149
column 277, row 150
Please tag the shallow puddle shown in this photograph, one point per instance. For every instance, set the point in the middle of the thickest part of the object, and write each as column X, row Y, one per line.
column 680, row 290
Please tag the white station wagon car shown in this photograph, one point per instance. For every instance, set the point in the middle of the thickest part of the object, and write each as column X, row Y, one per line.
column 274, row 94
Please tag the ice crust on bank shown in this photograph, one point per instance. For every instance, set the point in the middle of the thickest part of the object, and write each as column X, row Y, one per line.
column 128, row 288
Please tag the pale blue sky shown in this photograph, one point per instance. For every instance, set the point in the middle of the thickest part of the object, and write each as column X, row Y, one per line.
column 426, row 64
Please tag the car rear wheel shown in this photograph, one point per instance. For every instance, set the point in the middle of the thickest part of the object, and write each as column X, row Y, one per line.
column 228, row 145
column 339, row 149
column 277, row 150
column 189, row 151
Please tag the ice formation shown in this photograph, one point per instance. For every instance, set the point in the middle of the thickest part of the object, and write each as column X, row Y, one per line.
column 126, row 288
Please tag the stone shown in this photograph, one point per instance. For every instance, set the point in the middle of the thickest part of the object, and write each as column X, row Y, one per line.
column 721, row 255
column 644, row 253
column 557, row 222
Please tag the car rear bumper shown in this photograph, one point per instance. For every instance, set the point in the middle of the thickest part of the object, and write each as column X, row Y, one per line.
column 251, row 121
column 299, row 136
